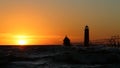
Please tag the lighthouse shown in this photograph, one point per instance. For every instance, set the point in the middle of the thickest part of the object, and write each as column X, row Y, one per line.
column 86, row 36
column 66, row 41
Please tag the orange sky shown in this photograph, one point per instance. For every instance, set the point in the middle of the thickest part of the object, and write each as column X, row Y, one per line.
column 47, row 22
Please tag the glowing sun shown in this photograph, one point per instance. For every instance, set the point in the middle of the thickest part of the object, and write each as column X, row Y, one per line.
column 22, row 42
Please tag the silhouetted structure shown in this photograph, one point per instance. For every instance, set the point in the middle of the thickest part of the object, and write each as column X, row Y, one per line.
column 114, row 41
column 66, row 41
column 86, row 36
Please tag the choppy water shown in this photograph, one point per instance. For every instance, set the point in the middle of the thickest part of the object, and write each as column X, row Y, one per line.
column 58, row 57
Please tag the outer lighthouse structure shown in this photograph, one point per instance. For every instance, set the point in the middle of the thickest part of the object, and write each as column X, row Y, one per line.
column 86, row 36
column 66, row 41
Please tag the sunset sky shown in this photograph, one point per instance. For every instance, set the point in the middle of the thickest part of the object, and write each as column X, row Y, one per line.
column 48, row 21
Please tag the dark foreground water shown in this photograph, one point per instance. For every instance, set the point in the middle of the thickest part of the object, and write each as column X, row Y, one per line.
column 59, row 57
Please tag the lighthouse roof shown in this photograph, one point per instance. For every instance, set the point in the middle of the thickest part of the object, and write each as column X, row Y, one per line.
column 66, row 38
column 86, row 27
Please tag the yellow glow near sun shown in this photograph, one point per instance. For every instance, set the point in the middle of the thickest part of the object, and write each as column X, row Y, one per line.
column 21, row 37
column 22, row 42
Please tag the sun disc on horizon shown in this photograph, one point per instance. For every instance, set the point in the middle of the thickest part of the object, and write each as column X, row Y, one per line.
column 22, row 42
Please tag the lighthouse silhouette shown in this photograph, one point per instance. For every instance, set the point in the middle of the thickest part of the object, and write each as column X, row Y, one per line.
column 66, row 41
column 86, row 36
